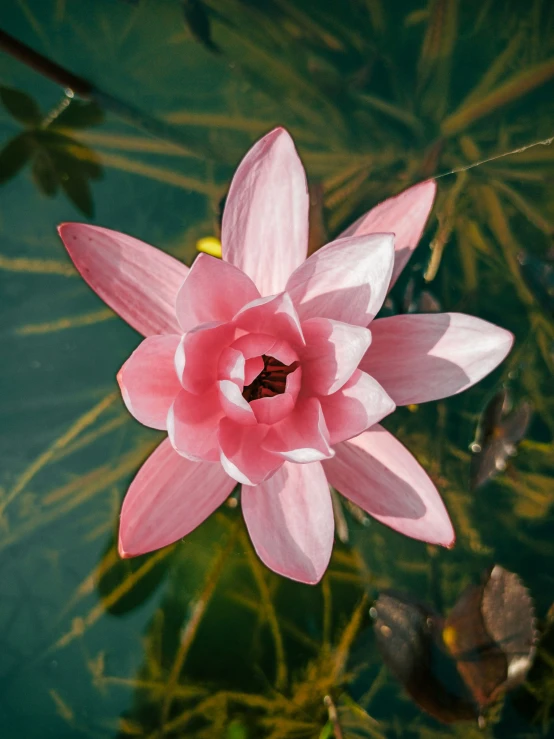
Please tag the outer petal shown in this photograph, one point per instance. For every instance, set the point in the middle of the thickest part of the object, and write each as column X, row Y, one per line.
column 357, row 406
column 274, row 316
column 405, row 216
column 213, row 291
column 138, row 281
column 265, row 223
column 347, row 280
column 198, row 355
column 149, row 382
column 169, row 498
column 425, row 357
column 333, row 351
column 290, row 521
column 379, row 474
column 302, row 436
column 242, row 455
column 192, row 424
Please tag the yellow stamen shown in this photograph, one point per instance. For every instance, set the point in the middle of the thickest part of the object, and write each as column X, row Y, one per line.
column 210, row 245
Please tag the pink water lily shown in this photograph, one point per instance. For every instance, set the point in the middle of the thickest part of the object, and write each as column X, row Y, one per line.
column 263, row 371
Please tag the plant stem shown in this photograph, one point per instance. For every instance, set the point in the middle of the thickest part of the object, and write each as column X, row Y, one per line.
column 127, row 112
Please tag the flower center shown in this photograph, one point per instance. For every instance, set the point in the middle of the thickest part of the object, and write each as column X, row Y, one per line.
column 272, row 380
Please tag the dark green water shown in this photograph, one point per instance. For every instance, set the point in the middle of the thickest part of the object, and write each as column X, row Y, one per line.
column 200, row 639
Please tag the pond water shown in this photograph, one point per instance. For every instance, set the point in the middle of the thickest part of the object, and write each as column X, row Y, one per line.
column 200, row 639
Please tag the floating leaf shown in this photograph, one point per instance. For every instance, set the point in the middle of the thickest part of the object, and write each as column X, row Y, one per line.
column 498, row 434
column 409, row 637
column 14, row 156
column 454, row 669
column 21, row 106
column 491, row 634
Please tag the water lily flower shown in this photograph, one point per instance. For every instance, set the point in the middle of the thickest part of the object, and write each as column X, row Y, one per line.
column 267, row 368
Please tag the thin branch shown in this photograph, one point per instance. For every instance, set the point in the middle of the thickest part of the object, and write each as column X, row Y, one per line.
column 127, row 112
column 333, row 717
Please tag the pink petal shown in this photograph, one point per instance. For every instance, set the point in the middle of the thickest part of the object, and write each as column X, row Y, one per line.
column 213, row 291
column 242, row 455
column 282, row 351
column 232, row 366
column 198, row 355
column 417, row 358
column 136, row 280
column 302, row 436
column 148, row 381
column 357, row 406
column 290, row 521
column 169, row 498
column 379, row 474
column 333, row 351
column 273, row 316
column 252, row 369
column 405, row 216
column 253, row 346
column 234, row 405
column 192, row 424
column 347, row 280
column 272, row 410
column 265, row 223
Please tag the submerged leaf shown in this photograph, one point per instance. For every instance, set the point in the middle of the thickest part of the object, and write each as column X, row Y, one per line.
column 514, row 88
column 21, row 106
column 14, row 156
column 198, row 22
column 77, row 189
column 125, row 584
column 79, row 114
column 44, row 172
column 498, row 434
column 539, row 276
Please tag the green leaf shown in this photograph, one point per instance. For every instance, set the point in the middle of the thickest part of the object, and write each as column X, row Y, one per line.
column 77, row 189
column 78, row 158
column 14, row 156
column 79, row 114
column 74, row 178
column 236, row 730
column 21, row 106
column 44, row 173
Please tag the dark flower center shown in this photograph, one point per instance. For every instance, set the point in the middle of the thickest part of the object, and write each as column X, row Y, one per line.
column 271, row 381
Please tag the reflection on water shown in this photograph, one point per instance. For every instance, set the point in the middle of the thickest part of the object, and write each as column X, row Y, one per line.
column 200, row 639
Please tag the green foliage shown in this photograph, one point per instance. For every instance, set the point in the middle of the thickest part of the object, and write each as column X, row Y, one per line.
column 57, row 160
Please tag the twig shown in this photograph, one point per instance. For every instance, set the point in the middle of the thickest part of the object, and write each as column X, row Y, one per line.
column 73, row 84
column 333, row 717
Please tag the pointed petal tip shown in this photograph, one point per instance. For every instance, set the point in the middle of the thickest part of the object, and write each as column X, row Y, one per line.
column 279, row 131
column 121, row 549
